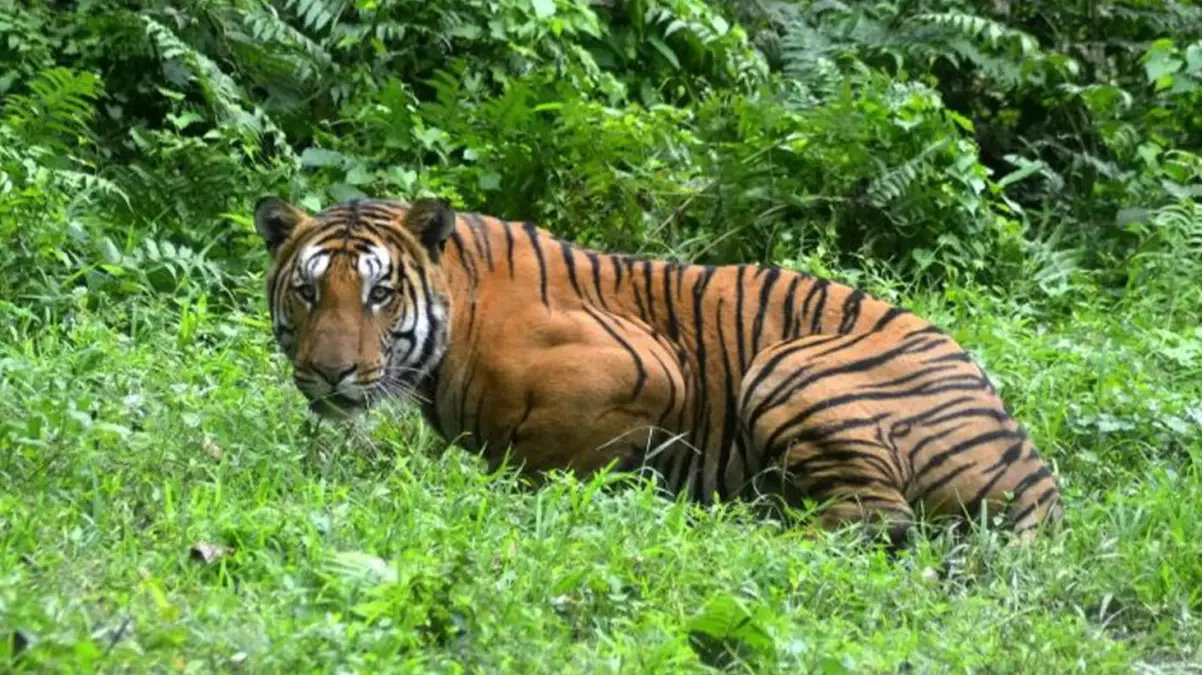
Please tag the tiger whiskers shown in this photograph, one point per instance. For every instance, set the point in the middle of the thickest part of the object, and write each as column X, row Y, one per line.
column 395, row 385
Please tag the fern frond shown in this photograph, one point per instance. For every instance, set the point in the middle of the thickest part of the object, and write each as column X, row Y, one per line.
column 268, row 31
column 218, row 87
column 894, row 183
column 980, row 28
column 316, row 15
column 57, row 109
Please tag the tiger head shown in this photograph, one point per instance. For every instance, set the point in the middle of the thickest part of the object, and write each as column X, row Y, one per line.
column 358, row 303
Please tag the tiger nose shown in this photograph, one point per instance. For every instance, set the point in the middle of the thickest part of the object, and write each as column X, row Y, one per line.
column 333, row 373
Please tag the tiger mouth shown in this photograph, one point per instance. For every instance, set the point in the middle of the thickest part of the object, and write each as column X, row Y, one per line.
column 337, row 406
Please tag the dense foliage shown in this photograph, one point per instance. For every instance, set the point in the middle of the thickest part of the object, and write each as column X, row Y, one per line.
column 1026, row 174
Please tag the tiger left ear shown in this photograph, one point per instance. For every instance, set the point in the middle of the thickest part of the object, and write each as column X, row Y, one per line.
column 432, row 220
column 275, row 220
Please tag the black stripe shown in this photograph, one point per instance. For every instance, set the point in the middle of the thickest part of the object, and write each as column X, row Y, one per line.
column 428, row 403
column 1044, row 497
column 648, row 289
column 937, row 460
column 931, row 439
column 835, row 454
column 466, row 259
column 836, row 401
column 787, row 317
column 851, row 311
column 409, row 291
column 907, row 347
column 960, row 415
column 638, row 302
column 921, row 372
column 669, row 301
column 925, row 415
column 888, row 317
column 569, row 260
column 897, row 470
column 757, row 326
column 960, row 357
column 702, row 407
column 950, row 476
column 326, row 240
column 768, row 369
column 480, row 232
column 739, row 317
column 640, row 369
column 1030, row 480
column 531, row 232
column 508, row 245
column 829, row 431
column 671, row 386
column 801, row 378
column 823, row 488
column 817, row 290
column 595, row 263
column 729, row 414
column 998, row 469
column 428, row 347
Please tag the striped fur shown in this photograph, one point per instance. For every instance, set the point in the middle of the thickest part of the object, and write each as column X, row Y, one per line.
column 728, row 381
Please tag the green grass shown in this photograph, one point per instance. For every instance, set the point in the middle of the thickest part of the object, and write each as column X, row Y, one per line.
column 132, row 433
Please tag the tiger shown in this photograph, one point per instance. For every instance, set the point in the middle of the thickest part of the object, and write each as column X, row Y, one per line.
column 724, row 382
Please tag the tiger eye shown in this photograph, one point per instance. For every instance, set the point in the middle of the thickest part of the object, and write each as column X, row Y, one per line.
column 380, row 294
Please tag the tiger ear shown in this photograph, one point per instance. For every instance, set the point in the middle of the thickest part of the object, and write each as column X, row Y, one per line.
column 432, row 221
column 275, row 219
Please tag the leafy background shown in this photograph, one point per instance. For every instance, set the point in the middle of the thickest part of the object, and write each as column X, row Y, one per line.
column 1025, row 174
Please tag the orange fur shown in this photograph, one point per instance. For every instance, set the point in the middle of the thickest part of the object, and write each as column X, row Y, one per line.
column 729, row 381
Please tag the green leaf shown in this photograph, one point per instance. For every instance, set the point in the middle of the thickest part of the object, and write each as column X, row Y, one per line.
column 116, row 429
column 1162, row 61
column 312, row 201
column 356, row 567
column 490, row 181
column 358, row 175
column 184, row 119
column 725, row 617
column 110, row 252
column 342, row 192
column 665, row 50
column 1025, row 169
column 430, row 137
column 317, row 157
column 544, row 8
column 1193, row 57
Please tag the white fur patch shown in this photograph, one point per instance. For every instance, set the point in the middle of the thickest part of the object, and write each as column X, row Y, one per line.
column 373, row 267
column 313, row 263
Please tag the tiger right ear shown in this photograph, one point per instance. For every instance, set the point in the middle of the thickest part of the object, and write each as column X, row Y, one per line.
column 432, row 221
column 275, row 219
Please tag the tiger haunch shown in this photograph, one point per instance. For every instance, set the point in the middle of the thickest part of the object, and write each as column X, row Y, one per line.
column 728, row 381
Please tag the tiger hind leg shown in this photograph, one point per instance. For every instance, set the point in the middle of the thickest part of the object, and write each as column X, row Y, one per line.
column 885, row 422
column 814, row 448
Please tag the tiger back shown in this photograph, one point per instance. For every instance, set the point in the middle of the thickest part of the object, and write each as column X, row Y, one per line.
column 726, row 381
